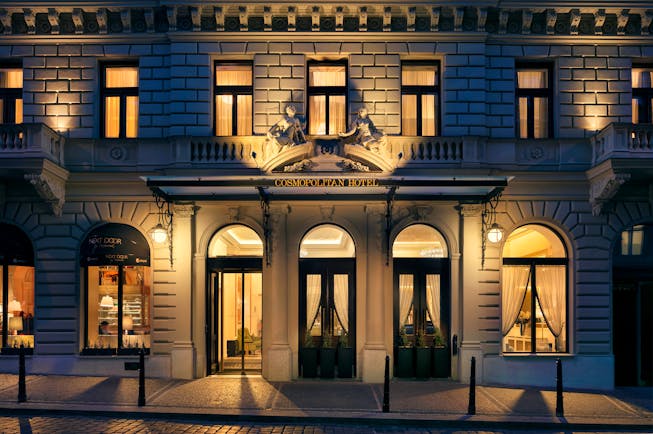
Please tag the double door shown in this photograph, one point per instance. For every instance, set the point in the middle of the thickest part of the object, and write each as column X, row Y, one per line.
column 234, row 317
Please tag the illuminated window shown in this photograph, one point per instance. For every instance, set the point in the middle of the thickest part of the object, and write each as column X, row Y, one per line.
column 419, row 98
column 632, row 241
column 233, row 99
column 11, row 95
column 534, row 292
column 120, row 101
column 642, row 102
column 327, row 100
column 534, row 101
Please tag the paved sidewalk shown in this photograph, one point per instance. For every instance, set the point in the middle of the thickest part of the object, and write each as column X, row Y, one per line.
column 253, row 398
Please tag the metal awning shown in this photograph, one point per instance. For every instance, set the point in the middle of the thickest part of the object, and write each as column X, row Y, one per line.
column 327, row 187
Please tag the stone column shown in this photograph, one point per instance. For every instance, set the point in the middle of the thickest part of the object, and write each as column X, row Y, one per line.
column 470, row 335
column 277, row 355
column 183, row 351
column 374, row 350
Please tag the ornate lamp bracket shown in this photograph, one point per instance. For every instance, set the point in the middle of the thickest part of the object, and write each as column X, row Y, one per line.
column 267, row 231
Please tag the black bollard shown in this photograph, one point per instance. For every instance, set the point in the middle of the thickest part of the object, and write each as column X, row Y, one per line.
column 141, row 378
column 22, row 394
column 471, row 408
column 560, row 411
column 386, row 386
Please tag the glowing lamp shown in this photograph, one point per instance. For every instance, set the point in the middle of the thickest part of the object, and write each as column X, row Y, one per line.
column 107, row 301
column 15, row 324
column 495, row 234
column 127, row 323
column 14, row 306
column 159, row 234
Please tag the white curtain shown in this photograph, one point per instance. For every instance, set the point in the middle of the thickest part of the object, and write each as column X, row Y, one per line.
column 317, row 108
column 433, row 298
column 111, row 116
column 337, row 122
column 428, row 115
column 551, row 295
column 409, row 115
column 341, row 299
column 223, row 115
column 515, row 281
column 313, row 296
column 422, row 75
column 532, row 79
column 244, row 115
column 405, row 297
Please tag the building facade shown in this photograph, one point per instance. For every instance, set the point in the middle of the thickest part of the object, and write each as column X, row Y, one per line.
column 301, row 190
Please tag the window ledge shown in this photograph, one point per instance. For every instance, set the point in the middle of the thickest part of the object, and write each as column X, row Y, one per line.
column 538, row 355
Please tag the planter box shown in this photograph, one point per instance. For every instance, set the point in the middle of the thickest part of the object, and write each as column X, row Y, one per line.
column 327, row 362
column 441, row 362
column 309, row 362
column 345, row 362
column 423, row 362
column 99, row 352
column 11, row 351
column 405, row 362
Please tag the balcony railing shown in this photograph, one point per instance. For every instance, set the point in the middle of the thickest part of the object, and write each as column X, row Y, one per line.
column 622, row 140
column 31, row 141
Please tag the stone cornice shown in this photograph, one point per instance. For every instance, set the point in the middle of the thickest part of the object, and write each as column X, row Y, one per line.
column 568, row 19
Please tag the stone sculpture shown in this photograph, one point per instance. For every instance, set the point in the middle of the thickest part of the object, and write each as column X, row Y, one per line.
column 363, row 132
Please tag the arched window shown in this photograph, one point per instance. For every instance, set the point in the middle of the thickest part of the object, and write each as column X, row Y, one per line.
column 116, row 262
column 534, row 291
column 17, row 295
column 327, row 241
column 235, row 240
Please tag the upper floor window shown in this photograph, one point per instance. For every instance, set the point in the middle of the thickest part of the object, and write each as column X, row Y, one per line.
column 632, row 241
column 419, row 98
column 642, row 103
column 233, row 99
column 534, row 101
column 120, row 101
column 11, row 95
column 327, row 101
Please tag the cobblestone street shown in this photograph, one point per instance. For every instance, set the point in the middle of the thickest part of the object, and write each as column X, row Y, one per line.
column 53, row 424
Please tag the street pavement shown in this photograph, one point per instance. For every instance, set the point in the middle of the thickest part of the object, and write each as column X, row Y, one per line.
column 243, row 403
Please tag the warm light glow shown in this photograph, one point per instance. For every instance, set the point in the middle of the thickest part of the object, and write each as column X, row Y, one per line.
column 159, row 234
column 127, row 323
column 14, row 306
column 16, row 324
column 107, row 301
column 495, row 234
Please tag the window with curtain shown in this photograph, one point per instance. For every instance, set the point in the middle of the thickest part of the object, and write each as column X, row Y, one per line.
column 534, row 101
column 327, row 98
column 120, row 101
column 233, row 98
column 11, row 95
column 534, row 292
column 642, row 102
column 420, row 94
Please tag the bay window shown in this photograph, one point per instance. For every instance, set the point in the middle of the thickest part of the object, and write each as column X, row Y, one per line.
column 11, row 95
column 419, row 98
column 642, row 102
column 233, row 99
column 327, row 101
column 120, row 101
column 534, row 101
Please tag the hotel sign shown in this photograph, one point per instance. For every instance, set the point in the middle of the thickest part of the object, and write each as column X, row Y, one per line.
column 327, row 182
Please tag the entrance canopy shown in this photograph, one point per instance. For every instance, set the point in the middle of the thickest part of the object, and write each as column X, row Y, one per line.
column 333, row 187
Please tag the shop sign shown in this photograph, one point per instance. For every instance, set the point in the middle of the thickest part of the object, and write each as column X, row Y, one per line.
column 327, row 182
column 115, row 244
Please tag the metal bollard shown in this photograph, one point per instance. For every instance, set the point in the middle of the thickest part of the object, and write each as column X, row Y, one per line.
column 560, row 411
column 386, row 386
column 471, row 408
column 22, row 394
column 141, row 379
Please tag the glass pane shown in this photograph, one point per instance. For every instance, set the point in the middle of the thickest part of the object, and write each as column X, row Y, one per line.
column 625, row 242
column 131, row 113
column 409, row 115
column 433, row 317
column 244, row 115
column 231, row 304
column 2, row 111
column 419, row 241
column 253, row 320
column 327, row 241
column 635, row 110
column 102, row 307
column 120, row 76
column 533, row 241
column 337, row 114
column 112, row 116
column 19, row 111
column 327, row 75
column 523, row 117
column 419, row 75
column 641, row 77
column 340, row 318
column 406, row 310
column 313, row 305
column 11, row 78
column 136, row 307
column 533, row 79
column 223, row 115
column 551, row 311
column 20, row 307
column 317, row 110
column 233, row 75
column 638, row 240
column 541, row 121
column 429, row 117
column 518, row 337
column 236, row 240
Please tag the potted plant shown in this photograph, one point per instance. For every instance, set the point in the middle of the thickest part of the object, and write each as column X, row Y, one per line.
column 422, row 357
column 440, row 356
column 327, row 358
column 309, row 357
column 404, row 355
column 345, row 357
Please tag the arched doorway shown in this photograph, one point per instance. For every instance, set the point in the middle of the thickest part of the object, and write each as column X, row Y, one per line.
column 632, row 304
column 327, row 298
column 17, row 302
column 421, row 303
column 234, row 301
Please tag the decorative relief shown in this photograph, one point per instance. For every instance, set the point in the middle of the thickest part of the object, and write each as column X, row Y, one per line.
column 300, row 166
column 233, row 214
column 50, row 188
column 354, row 166
column 604, row 188
column 327, row 212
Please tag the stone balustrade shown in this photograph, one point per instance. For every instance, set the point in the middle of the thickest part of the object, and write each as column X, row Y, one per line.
column 31, row 140
column 623, row 140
